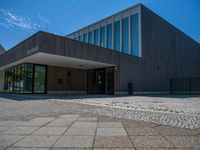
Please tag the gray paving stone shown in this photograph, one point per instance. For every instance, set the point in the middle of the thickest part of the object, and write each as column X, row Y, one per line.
column 20, row 130
column 17, row 148
column 75, row 141
column 80, row 131
column 7, row 140
column 69, row 116
column 50, row 131
column 60, row 123
column 168, row 130
column 138, row 124
column 185, row 141
column 37, row 122
column 36, row 141
column 3, row 129
column 10, row 123
column 85, row 124
column 114, row 149
column 110, row 125
column 150, row 142
column 88, row 119
column 59, row 148
column 111, row 132
column 142, row 131
column 112, row 142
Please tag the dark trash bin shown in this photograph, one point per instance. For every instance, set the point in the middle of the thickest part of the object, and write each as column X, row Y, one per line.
column 130, row 88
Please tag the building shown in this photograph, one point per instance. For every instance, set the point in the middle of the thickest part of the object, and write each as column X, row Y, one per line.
column 133, row 51
column 2, row 50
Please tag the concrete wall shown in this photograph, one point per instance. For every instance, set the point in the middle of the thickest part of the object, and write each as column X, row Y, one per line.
column 2, row 74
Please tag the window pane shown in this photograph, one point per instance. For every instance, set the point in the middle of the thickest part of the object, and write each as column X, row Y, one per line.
column 39, row 79
column 96, row 37
column 90, row 37
column 85, row 37
column 102, row 36
column 75, row 38
column 125, row 35
column 6, row 81
column 28, row 78
column 80, row 38
column 117, row 35
column 134, row 35
column 109, row 36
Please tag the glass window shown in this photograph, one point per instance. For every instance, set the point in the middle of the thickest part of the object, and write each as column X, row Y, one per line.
column 90, row 37
column 28, row 78
column 80, row 38
column 135, row 35
column 125, row 35
column 85, row 37
column 102, row 36
column 109, row 36
column 39, row 79
column 75, row 38
column 96, row 37
column 117, row 35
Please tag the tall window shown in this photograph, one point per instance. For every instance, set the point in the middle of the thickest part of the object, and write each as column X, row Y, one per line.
column 109, row 36
column 125, row 35
column 96, row 37
column 75, row 38
column 90, row 37
column 80, row 38
column 102, row 37
column 117, row 35
column 85, row 37
column 135, row 35
column 39, row 79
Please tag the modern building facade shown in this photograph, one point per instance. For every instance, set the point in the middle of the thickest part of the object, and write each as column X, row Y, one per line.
column 133, row 51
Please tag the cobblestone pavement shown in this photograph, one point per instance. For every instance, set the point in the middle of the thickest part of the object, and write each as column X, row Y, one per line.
column 46, row 123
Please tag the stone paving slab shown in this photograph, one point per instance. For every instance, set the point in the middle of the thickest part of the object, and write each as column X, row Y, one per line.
column 75, row 141
column 80, row 131
column 151, row 142
column 111, row 132
column 167, row 130
column 110, row 125
column 60, row 123
column 50, row 131
column 87, row 119
column 142, row 131
column 37, row 141
column 112, row 142
column 7, row 140
column 37, row 122
column 10, row 123
column 185, row 141
column 20, row 130
column 3, row 128
column 85, row 124
column 58, row 148
column 27, row 148
column 114, row 149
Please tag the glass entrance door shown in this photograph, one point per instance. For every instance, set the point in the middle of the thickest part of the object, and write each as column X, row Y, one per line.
column 96, row 81
column 39, row 79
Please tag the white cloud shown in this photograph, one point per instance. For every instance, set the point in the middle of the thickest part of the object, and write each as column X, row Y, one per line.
column 43, row 19
column 10, row 19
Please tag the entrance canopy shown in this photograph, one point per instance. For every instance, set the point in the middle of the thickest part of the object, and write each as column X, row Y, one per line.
column 61, row 61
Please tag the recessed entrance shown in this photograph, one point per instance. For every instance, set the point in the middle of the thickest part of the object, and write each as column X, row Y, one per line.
column 100, row 81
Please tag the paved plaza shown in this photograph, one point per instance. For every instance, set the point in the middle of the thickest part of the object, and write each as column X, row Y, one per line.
column 48, row 123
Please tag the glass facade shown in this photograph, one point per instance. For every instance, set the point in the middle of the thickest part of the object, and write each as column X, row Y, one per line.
column 121, row 35
column 80, row 38
column 85, row 38
column 109, row 36
column 135, row 35
column 90, row 37
column 19, row 79
column 125, row 35
column 117, row 35
column 96, row 37
column 102, row 37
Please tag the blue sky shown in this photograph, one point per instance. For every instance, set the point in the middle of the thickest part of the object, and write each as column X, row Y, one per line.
column 21, row 18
